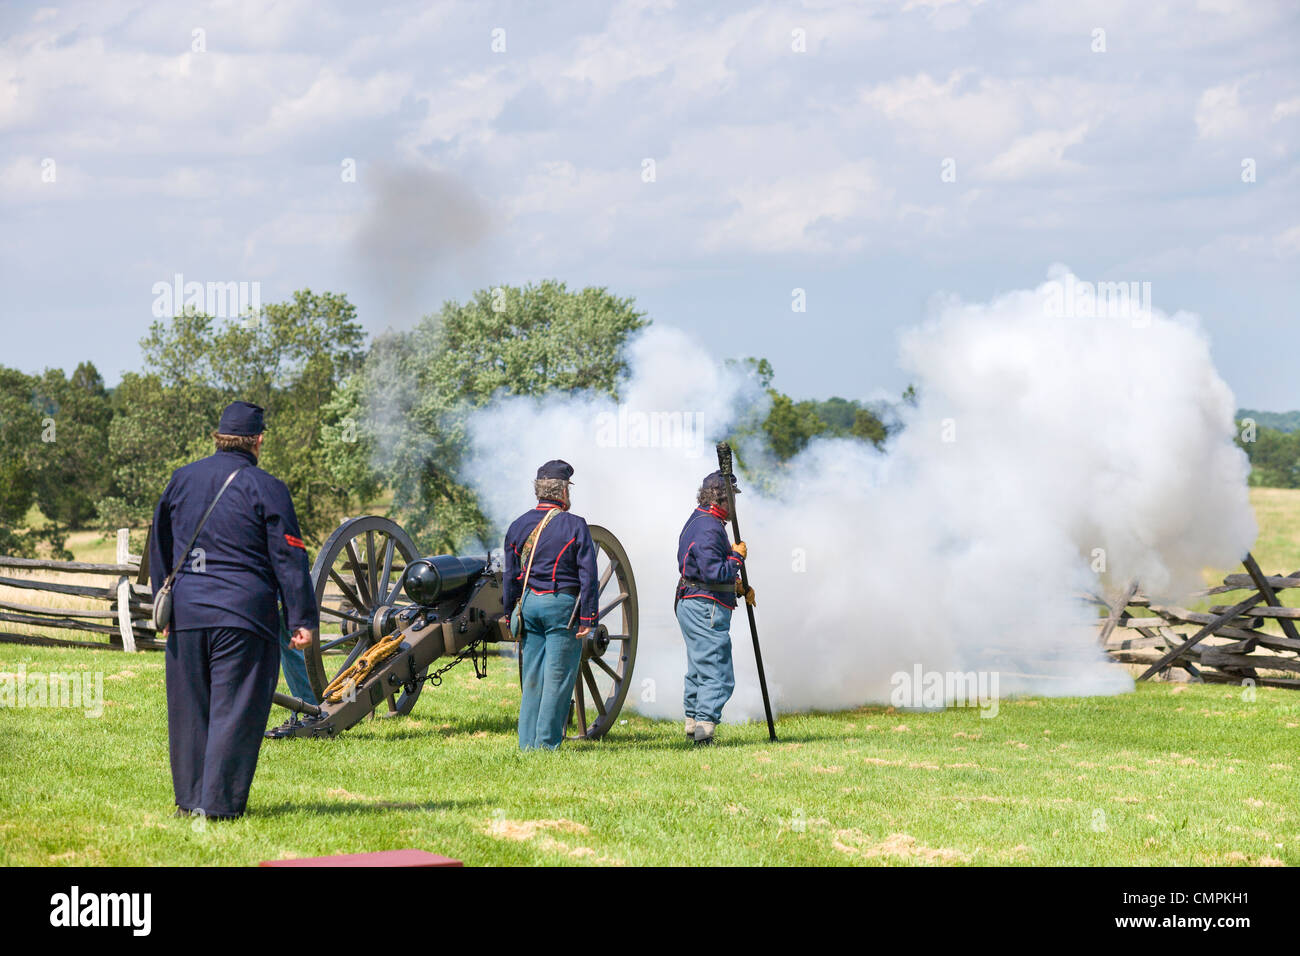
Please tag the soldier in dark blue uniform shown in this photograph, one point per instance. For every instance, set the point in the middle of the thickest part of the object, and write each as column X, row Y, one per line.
column 223, row 649
column 709, row 568
column 558, row 607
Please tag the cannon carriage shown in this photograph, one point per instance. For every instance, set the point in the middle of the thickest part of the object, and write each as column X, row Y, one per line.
column 393, row 621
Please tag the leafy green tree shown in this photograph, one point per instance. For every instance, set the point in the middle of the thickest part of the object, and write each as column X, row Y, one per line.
column 790, row 425
column 291, row 359
column 1274, row 457
column 868, row 427
column 155, row 429
column 20, row 428
column 70, row 462
column 419, row 386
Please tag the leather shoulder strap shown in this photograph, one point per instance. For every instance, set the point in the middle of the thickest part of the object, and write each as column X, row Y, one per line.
column 530, row 545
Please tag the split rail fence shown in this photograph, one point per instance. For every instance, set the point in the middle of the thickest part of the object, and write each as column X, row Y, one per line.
column 51, row 597
column 1228, row 643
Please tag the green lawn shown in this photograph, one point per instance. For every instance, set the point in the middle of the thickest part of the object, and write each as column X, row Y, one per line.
column 1174, row 774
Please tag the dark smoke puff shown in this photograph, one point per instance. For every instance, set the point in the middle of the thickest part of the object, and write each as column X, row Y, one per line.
column 417, row 221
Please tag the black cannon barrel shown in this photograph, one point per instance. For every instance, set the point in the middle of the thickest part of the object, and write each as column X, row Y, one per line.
column 429, row 580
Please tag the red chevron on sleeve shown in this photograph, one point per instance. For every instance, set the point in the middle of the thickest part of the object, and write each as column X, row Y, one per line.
column 294, row 542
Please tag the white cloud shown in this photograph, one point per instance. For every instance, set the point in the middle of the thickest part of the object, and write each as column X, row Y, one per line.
column 783, row 214
column 1219, row 112
column 1287, row 108
column 1038, row 153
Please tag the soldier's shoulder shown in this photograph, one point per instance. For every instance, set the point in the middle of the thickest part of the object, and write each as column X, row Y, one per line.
column 200, row 466
column 265, row 479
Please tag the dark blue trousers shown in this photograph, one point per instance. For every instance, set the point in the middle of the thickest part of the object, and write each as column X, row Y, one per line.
column 219, row 686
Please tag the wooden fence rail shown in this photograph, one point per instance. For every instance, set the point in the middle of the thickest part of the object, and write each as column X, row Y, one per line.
column 1241, row 651
column 125, row 618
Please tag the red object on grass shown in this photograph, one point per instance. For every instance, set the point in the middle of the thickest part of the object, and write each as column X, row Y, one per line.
column 381, row 858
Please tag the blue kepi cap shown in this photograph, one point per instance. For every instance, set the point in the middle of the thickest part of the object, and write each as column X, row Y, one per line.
column 556, row 469
column 241, row 418
column 715, row 481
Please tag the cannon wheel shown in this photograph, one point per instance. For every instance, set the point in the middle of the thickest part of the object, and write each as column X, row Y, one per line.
column 605, row 673
column 355, row 572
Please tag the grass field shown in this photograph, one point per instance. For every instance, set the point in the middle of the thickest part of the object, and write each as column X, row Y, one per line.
column 1172, row 774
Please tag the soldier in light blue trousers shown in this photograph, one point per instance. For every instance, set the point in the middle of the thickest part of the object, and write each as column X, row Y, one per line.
column 293, row 665
column 551, row 654
column 551, row 548
column 710, row 679
column 709, row 565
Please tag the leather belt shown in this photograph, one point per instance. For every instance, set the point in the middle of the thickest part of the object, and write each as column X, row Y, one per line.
column 697, row 585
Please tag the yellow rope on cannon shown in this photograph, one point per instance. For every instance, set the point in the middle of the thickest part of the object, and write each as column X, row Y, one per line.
column 360, row 669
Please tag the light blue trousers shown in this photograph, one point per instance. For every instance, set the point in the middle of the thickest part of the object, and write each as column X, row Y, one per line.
column 293, row 663
column 551, row 653
column 706, row 627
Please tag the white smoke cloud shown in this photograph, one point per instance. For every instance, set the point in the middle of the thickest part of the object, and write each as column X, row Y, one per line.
column 1037, row 440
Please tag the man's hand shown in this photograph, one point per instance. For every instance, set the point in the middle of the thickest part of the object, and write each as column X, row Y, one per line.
column 740, row 549
column 301, row 638
column 749, row 598
column 582, row 632
column 167, row 632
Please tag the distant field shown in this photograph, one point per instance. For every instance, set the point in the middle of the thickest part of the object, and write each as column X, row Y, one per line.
column 1278, row 513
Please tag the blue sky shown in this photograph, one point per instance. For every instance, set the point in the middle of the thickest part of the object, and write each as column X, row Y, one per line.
column 210, row 140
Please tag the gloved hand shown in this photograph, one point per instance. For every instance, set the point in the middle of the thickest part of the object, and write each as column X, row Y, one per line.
column 749, row 598
column 740, row 549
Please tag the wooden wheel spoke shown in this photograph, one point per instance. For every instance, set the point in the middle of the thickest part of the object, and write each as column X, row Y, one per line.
column 353, row 654
column 597, row 697
column 582, row 710
column 350, row 594
column 600, row 662
column 372, row 570
column 344, row 615
column 357, row 575
column 622, row 596
column 604, row 578
column 331, row 644
column 388, row 571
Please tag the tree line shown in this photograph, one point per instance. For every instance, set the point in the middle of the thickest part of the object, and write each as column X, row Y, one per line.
column 349, row 420
column 1274, row 452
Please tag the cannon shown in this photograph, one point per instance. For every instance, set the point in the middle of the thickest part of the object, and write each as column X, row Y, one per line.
column 388, row 615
